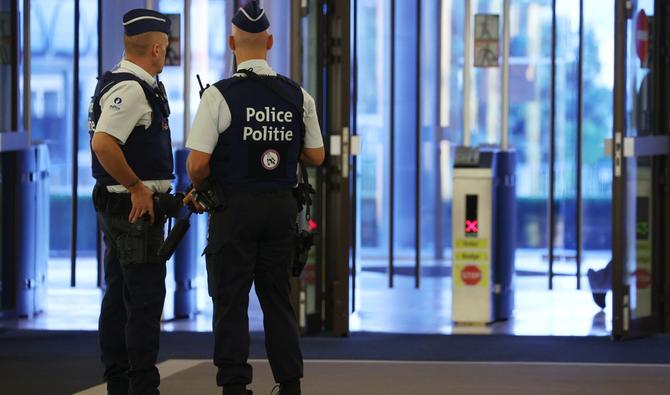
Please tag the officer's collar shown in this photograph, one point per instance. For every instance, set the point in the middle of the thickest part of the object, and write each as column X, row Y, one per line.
column 138, row 71
column 258, row 66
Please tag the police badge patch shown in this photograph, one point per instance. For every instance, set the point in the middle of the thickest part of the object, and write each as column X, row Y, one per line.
column 117, row 104
column 270, row 159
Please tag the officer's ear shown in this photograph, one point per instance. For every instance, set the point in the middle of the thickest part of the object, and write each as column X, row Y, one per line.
column 156, row 49
column 270, row 42
column 231, row 43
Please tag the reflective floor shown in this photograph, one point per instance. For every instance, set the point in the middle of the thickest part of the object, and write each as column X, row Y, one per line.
column 403, row 309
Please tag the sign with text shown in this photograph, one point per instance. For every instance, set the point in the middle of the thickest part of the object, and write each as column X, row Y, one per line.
column 487, row 36
column 471, row 263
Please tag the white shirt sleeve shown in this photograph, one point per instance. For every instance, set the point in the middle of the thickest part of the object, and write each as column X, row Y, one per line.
column 313, row 138
column 123, row 108
column 212, row 118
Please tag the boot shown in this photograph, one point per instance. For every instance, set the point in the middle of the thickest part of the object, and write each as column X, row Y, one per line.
column 289, row 388
column 236, row 389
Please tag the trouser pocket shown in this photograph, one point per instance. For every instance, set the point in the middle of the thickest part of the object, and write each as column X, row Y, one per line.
column 138, row 242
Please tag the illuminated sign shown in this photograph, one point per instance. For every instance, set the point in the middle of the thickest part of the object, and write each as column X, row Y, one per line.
column 471, row 221
column 471, row 226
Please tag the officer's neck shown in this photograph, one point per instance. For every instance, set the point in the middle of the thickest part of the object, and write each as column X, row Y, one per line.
column 242, row 57
column 144, row 63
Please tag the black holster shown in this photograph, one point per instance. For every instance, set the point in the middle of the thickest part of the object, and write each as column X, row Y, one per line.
column 117, row 204
column 210, row 196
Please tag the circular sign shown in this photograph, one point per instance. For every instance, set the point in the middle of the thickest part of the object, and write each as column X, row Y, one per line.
column 642, row 36
column 270, row 159
column 471, row 275
column 642, row 279
column 309, row 274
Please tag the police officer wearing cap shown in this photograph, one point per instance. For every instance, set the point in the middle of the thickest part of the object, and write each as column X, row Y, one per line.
column 132, row 160
column 248, row 135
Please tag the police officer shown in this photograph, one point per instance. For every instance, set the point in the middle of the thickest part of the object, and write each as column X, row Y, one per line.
column 247, row 139
column 132, row 160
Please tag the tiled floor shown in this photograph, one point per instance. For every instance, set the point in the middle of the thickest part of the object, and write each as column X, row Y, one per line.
column 403, row 309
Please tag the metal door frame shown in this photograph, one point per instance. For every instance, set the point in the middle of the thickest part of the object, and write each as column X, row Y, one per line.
column 338, row 203
column 623, row 326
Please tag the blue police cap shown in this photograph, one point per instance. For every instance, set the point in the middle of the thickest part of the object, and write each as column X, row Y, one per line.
column 141, row 20
column 251, row 18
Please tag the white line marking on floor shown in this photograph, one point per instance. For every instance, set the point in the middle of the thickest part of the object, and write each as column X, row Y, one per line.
column 173, row 366
column 478, row 363
column 166, row 369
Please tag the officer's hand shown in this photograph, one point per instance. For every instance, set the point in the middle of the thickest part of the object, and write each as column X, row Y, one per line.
column 143, row 203
column 189, row 199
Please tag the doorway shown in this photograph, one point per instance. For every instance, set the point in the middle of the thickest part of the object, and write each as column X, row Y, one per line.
column 640, row 150
column 408, row 113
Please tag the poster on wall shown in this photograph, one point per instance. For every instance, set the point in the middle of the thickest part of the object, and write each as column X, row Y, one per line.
column 173, row 56
column 5, row 38
column 487, row 35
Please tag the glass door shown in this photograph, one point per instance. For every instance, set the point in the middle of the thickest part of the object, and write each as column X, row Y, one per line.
column 640, row 145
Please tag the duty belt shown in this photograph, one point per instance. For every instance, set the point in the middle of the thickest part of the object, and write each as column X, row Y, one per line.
column 165, row 204
column 111, row 203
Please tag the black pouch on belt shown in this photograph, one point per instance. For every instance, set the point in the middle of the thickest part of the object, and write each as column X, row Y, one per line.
column 134, row 244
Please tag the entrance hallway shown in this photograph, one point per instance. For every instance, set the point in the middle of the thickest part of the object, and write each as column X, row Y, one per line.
column 563, row 311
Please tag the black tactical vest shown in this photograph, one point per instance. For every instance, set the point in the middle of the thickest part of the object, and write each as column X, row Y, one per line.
column 147, row 151
column 260, row 149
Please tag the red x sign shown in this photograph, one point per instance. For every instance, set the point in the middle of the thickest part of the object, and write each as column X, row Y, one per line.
column 471, row 226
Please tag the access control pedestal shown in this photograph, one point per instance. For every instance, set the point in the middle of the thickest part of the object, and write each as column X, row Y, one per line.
column 483, row 222
column 25, row 224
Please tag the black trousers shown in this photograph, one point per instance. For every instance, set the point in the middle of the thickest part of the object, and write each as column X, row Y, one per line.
column 129, row 325
column 251, row 241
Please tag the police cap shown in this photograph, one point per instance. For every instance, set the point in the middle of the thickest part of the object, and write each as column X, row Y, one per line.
column 251, row 18
column 141, row 20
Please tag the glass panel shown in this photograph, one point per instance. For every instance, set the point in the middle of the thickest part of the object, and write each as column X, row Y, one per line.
column 173, row 77
column 210, row 57
column 529, row 123
column 638, row 268
column 433, row 225
column 310, row 45
column 565, row 140
column 310, row 76
column 212, row 60
column 279, row 13
column 598, row 86
column 373, row 43
column 451, row 106
column 7, row 66
column 52, row 98
column 372, row 109
column 486, row 90
column 88, row 71
column 405, row 109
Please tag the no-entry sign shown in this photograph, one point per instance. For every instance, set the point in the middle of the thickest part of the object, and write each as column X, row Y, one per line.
column 471, row 275
column 642, row 36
